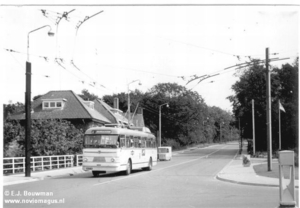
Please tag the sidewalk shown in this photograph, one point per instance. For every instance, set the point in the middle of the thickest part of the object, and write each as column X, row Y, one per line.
column 37, row 176
column 256, row 174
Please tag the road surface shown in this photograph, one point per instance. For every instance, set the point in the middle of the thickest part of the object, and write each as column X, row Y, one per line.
column 188, row 180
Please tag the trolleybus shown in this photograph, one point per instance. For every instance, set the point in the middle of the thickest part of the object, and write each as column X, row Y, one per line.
column 113, row 148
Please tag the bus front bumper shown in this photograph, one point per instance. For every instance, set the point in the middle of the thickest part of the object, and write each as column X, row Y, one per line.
column 103, row 167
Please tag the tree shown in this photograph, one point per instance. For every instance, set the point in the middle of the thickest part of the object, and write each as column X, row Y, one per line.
column 36, row 97
column 185, row 121
column 86, row 95
column 252, row 85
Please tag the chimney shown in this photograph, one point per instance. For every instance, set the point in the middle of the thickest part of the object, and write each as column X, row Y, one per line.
column 116, row 103
column 140, row 111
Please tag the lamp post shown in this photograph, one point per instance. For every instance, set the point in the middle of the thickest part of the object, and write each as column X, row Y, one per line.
column 128, row 105
column 160, row 121
column 28, row 106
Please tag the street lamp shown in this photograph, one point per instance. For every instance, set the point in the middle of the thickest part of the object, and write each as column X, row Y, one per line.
column 50, row 34
column 128, row 105
column 28, row 105
column 160, row 121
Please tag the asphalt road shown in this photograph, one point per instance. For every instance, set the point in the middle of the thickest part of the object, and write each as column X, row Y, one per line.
column 186, row 181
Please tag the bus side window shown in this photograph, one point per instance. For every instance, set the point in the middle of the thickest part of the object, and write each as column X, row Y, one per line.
column 127, row 141
column 122, row 140
column 143, row 142
column 131, row 141
column 136, row 142
column 139, row 142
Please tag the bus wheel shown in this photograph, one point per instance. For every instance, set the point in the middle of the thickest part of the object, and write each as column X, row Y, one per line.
column 128, row 168
column 95, row 173
column 149, row 165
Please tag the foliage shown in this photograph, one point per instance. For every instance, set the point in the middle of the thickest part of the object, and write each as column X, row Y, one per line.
column 185, row 121
column 48, row 137
column 12, row 108
column 284, row 87
column 86, row 95
column 12, row 131
column 14, row 150
column 36, row 97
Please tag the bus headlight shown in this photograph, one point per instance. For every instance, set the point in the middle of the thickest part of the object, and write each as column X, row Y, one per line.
column 84, row 159
column 112, row 160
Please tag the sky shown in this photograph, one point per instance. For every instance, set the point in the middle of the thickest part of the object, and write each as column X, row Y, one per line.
column 106, row 48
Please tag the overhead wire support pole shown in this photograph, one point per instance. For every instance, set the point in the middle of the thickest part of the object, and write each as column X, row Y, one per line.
column 253, row 127
column 268, row 109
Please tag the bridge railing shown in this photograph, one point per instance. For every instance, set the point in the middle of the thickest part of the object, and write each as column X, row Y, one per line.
column 12, row 165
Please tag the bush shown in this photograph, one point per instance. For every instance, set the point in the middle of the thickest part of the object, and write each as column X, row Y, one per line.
column 48, row 137
column 14, row 150
column 171, row 142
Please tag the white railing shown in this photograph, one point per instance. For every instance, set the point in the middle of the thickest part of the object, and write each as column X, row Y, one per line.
column 12, row 165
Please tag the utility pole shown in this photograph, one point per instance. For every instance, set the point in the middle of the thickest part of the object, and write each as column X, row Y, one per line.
column 159, row 107
column 279, row 120
column 28, row 119
column 159, row 126
column 240, row 132
column 253, row 127
column 269, row 121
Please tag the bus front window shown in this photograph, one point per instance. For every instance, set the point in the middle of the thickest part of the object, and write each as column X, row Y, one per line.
column 100, row 141
column 163, row 150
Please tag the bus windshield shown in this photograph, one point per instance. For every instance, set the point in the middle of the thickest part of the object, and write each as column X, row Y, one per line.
column 100, row 141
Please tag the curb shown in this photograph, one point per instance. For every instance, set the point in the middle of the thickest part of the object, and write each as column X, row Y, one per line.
column 23, row 179
column 245, row 183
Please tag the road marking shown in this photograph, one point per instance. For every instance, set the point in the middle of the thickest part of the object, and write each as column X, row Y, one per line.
column 131, row 176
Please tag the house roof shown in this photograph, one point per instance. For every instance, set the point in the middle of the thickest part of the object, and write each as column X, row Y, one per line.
column 74, row 108
column 105, row 110
column 116, row 116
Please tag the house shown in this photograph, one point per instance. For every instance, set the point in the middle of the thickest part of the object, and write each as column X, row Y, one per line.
column 68, row 106
column 83, row 114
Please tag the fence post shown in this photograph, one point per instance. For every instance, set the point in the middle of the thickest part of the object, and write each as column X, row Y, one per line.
column 42, row 163
column 33, row 164
column 50, row 163
column 13, row 165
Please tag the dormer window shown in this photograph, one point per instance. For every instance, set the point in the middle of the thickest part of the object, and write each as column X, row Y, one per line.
column 53, row 103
